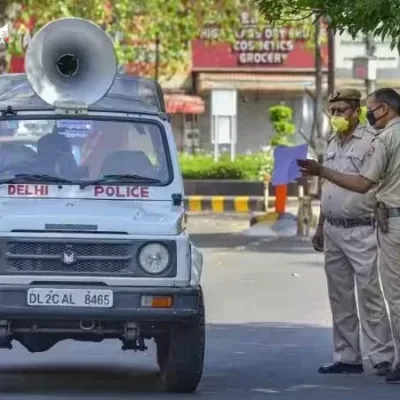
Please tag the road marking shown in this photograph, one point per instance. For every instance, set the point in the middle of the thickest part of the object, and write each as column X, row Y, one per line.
column 217, row 203
column 263, row 390
column 195, row 203
column 242, row 204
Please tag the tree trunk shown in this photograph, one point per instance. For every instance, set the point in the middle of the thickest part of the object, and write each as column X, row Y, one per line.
column 371, row 49
column 157, row 59
column 319, row 98
column 3, row 21
column 331, row 60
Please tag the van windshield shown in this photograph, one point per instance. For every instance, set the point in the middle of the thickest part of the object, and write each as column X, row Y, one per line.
column 83, row 150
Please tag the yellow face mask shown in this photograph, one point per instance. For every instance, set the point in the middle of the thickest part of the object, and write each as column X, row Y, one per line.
column 339, row 124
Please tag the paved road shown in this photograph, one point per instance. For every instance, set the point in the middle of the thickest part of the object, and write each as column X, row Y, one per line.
column 268, row 331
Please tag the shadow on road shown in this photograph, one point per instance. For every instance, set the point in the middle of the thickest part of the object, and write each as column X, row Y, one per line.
column 291, row 245
column 220, row 240
column 242, row 360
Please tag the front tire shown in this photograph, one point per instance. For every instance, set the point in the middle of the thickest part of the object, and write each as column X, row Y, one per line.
column 180, row 355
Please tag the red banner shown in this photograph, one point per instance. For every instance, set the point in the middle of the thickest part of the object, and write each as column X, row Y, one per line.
column 17, row 62
column 257, row 48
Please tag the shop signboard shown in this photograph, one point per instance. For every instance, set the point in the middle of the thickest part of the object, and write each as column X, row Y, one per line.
column 258, row 47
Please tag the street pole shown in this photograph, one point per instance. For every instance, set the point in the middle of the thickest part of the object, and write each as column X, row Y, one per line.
column 319, row 98
column 370, row 84
column 157, row 61
column 304, row 212
column 331, row 60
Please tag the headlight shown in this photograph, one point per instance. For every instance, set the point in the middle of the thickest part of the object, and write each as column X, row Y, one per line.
column 154, row 258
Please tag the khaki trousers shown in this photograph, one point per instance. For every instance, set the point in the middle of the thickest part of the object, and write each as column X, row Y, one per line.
column 389, row 267
column 351, row 258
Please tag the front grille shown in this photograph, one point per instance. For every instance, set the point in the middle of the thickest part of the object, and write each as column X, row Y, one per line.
column 102, row 257
column 56, row 249
column 81, row 266
column 82, row 258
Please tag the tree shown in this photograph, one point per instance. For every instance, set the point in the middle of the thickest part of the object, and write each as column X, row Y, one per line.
column 281, row 117
column 381, row 18
column 4, row 7
column 136, row 26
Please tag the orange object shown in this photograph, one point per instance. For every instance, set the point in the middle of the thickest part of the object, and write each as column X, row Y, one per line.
column 157, row 301
column 280, row 198
column 161, row 302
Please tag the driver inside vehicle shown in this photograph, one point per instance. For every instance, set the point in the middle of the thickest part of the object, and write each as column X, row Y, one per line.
column 55, row 157
column 91, row 151
column 113, row 149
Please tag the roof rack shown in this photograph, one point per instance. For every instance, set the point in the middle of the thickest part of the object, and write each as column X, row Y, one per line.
column 139, row 88
column 136, row 88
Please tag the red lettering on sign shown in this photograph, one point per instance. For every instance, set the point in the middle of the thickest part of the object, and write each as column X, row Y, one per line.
column 110, row 191
column 98, row 190
column 144, row 192
column 122, row 191
column 135, row 191
column 28, row 190
column 21, row 190
column 41, row 190
column 119, row 192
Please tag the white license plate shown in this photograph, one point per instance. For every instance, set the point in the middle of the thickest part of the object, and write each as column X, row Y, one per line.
column 49, row 297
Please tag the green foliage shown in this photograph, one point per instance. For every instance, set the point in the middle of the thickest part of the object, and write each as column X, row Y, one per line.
column 363, row 115
column 280, row 112
column 135, row 25
column 245, row 167
column 379, row 17
column 281, row 117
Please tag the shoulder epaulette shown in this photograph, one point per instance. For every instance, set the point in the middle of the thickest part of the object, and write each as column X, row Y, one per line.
column 364, row 128
column 330, row 138
column 370, row 130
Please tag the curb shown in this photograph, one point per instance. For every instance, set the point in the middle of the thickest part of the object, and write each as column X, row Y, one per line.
column 236, row 204
column 271, row 218
column 221, row 204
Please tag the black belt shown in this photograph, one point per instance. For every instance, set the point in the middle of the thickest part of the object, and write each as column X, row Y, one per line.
column 352, row 222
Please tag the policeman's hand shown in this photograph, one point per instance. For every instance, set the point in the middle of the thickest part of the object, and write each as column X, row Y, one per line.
column 309, row 167
column 318, row 240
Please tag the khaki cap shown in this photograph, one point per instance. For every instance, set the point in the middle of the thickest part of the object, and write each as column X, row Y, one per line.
column 345, row 95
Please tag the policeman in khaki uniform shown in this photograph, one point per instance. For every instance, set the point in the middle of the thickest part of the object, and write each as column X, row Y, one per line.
column 381, row 168
column 346, row 233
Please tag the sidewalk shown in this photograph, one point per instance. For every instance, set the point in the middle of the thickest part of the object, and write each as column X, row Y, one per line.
column 274, row 226
column 291, row 209
column 244, row 205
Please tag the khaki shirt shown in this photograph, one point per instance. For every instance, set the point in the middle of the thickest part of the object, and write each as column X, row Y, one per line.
column 348, row 158
column 383, row 166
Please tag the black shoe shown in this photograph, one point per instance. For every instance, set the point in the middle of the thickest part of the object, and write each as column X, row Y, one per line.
column 383, row 368
column 341, row 368
column 394, row 375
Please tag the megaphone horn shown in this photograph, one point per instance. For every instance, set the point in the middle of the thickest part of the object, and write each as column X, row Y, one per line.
column 71, row 59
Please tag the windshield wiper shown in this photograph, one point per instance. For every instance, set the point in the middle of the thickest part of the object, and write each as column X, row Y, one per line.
column 36, row 178
column 118, row 178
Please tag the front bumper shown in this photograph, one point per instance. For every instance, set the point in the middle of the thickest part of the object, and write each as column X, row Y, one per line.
column 127, row 305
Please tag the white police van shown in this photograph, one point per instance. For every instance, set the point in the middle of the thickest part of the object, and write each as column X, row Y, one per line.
column 93, row 243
